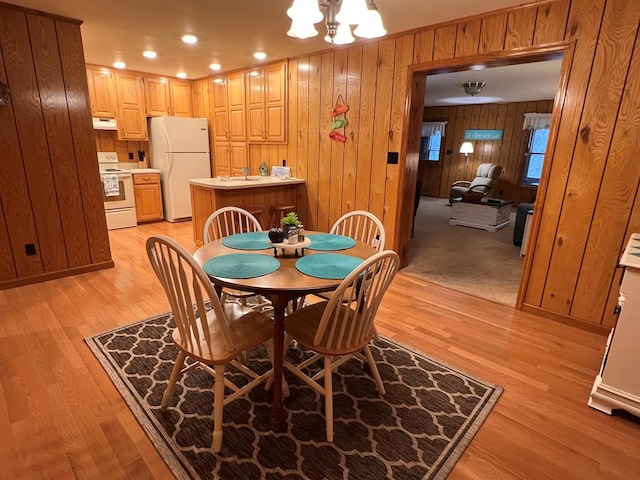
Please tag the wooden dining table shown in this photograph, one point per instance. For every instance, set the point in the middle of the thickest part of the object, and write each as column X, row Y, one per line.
column 285, row 284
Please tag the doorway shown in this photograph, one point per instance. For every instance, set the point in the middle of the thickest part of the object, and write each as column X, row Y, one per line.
column 459, row 257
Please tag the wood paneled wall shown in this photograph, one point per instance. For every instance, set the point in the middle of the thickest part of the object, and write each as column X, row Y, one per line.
column 508, row 152
column 587, row 203
column 107, row 141
column 50, row 193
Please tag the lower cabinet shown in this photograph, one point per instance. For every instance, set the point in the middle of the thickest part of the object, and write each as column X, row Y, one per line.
column 148, row 197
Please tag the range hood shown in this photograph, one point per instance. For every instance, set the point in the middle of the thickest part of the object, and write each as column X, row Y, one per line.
column 104, row 124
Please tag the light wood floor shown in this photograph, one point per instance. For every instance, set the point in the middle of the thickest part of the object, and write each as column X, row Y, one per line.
column 61, row 418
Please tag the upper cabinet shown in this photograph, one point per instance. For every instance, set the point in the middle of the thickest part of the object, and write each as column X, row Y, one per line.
column 102, row 92
column 266, row 104
column 229, row 118
column 167, row 97
column 132, row 121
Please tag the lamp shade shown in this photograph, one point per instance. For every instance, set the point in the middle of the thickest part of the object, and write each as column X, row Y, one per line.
column 466, row 148
column 352, row 12
column 305, row 10
column 371, row 26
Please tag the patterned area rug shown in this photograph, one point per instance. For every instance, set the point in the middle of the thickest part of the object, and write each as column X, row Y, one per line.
column 417, row 430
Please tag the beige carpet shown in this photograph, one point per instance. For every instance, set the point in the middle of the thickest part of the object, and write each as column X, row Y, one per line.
column 469, row 260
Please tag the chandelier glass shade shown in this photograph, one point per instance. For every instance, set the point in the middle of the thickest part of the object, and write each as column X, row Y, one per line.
column 339, row 15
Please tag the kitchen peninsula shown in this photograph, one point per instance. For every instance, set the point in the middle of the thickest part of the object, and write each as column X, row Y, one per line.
column 210, row 194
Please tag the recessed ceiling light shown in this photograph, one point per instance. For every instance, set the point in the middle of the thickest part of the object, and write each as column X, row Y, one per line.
column 189, row 38
column 181, row 75
column 215, row 66
column 119, row 64
column 218, row 80
column 149, row 54
column 260, row 55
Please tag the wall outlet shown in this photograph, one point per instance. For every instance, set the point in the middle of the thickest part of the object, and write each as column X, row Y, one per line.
column 30, row 249
column 130, row 155
column 392, row 158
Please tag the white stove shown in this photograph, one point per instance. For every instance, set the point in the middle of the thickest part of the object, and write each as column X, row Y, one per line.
column 117, row 192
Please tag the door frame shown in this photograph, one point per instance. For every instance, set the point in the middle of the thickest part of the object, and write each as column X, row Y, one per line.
column 414, row 111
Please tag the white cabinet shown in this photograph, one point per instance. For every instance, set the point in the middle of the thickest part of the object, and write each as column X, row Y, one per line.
column 617, row 386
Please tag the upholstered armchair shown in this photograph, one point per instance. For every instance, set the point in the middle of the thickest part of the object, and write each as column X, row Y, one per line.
column 484, row 183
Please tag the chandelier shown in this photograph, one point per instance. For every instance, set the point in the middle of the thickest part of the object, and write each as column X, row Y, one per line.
column 340, row 15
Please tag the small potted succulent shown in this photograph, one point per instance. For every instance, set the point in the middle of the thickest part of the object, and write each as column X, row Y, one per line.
column 290, row 222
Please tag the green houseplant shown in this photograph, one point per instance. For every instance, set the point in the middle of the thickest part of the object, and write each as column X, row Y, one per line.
column 290, row 224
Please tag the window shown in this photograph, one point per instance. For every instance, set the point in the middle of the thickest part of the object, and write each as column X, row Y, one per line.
column 430, row 147
column 535, row 156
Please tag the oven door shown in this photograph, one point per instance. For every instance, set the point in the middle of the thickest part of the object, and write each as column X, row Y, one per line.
column 125, row 198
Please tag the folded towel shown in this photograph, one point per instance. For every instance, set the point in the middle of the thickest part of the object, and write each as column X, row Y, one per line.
column 111, row 185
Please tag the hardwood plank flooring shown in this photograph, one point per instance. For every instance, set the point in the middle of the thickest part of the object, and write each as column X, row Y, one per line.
column 61, row 417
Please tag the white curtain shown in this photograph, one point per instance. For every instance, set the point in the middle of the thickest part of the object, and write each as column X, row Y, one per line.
column 534, row 121
column 431, row 128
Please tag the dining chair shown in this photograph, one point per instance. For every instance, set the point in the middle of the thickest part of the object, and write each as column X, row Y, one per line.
column 231, row 221
column 362, row 226
column 335, row 331
column 211, row 336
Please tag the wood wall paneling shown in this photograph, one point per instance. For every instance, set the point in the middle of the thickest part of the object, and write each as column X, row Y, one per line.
column 551, row 22
column 520, row 28
column 423, row 48
column 14, row 189
column 468, row 38
column 7, row 265
column 20, row 70
column 492, row 33
column 607, row 82
column 314, row 141
column 615, row 198
column 352, row 131
column 508, row 153
column 401, row 180
column 382, row 132
column 58, row 132
column 366, row 126
column 444, row 46
column 77, row 94
column 336, row 158
column 327, row 101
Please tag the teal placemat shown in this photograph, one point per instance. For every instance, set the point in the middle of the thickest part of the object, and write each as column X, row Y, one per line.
column 241, row 265
column 330, row 241
column 332, row 266
column 247, row 241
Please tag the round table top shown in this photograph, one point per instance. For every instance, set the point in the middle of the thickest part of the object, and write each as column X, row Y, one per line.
column 287, row 279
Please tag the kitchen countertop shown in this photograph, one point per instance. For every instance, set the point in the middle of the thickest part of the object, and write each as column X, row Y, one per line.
column 239, row 182
column 133, row 168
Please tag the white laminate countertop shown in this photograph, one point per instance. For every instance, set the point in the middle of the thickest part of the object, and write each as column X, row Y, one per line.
column 239, row 182
column 144, row 170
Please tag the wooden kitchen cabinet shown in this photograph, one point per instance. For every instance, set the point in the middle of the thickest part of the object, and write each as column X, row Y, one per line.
column 132, row 120
column 229, row 108
column 167, row 96
column 230, row 157
column 102, row 92
column 266, row 104
column 148, row 197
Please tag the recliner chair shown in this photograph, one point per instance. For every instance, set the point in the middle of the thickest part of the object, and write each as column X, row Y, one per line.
column 486, row 179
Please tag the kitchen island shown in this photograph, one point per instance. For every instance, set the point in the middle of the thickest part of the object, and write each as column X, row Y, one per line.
column 210, row 194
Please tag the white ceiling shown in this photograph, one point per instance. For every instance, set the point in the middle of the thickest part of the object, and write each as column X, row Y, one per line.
column 229, row 31
column 514, row 83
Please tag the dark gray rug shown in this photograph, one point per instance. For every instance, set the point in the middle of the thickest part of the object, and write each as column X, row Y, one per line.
column 417, row 430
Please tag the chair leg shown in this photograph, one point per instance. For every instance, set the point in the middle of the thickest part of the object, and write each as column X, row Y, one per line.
column 328, row 397
column 177, row 367
column 218, row 405
column 374, row 369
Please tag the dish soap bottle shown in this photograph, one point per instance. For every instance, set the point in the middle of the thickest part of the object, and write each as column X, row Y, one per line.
column 264, row 171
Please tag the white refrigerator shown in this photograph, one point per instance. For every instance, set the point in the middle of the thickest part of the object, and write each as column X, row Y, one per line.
column 179, row 148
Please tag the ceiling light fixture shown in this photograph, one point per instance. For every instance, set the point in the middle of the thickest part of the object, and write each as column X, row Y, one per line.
column 119, row 64
column 473, row 88
column 181, row 75
column 149, row 54
column 339, row 16
column 215, row 66
column 189, row 38
column 260, row 55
